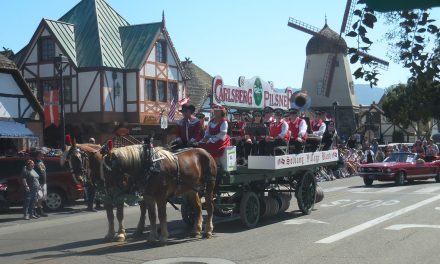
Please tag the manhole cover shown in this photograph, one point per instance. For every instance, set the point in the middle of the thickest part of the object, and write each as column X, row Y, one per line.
column 190, row 260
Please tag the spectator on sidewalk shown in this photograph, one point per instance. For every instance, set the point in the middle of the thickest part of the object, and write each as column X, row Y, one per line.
column 31, row 186
column 40, row 168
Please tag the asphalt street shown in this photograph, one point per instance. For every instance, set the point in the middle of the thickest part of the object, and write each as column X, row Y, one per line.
column 353, row 224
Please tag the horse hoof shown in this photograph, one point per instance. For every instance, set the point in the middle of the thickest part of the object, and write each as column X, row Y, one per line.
column 120, row 238
column 208, row 235
column 109, row 237
column 162, row 241
column 197, row 235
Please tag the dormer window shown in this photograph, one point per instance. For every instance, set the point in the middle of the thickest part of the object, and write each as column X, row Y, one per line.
column 161, row 52
column 47, row 49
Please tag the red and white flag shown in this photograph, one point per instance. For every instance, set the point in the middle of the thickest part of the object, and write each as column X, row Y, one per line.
column 172, row 112
column 184, row 101
column 51, row 108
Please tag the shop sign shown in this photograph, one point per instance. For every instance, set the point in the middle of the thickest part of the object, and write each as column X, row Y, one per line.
column 151, row 120
column 250, row 93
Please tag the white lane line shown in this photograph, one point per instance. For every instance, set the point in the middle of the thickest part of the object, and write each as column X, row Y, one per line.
column 400, row 227
column 428, row 190
column 334, row 189
column 371, row 223
column 360, row 190
column 303, row 221
column 393, row 189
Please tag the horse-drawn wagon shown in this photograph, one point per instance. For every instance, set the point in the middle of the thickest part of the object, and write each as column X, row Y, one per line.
column 265, row 187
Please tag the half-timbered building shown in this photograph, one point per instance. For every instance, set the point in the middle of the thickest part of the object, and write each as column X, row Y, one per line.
column 20, row 113
column 117, row 74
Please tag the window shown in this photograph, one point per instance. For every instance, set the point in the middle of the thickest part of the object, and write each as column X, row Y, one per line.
column 150, row 90
column 33, row 85
column 47, row 49
column 67, row 86
column 162, row 91
column 161, row 52
column 172, row 91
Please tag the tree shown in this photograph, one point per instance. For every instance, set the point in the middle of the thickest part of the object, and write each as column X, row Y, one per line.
column 415, row 102
column 414, row 38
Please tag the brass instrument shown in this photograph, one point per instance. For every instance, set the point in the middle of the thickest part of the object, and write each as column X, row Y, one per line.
column 300, row 100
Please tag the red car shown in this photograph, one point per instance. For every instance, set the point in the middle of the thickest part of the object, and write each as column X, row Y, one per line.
column 400, row 167
column 62, row 188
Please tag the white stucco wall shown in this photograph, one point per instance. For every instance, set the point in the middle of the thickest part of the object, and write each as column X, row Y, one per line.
column 93, row 102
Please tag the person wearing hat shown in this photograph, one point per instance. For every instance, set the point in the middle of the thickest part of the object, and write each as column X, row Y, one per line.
column 318, row 126
column 258, row 140
column 330, row 131
column 268, row 115
column 239, row 138
column 188, row 129
column 298, row 131
column 40, row 168
column 278, row 132
column 216, row 138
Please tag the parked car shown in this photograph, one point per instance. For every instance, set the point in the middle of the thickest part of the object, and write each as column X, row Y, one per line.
column 400, row 167
column 62, row 187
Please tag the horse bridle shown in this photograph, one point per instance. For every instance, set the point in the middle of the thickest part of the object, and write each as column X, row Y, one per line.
column 82, row 169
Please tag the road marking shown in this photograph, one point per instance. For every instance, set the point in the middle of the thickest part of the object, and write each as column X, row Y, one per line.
column 362, row 189
column 400, row 227
column 371, row 223
column 334, row 189
column 360, row 203
column 428, row 190
column 393, row 189
column 302, row 221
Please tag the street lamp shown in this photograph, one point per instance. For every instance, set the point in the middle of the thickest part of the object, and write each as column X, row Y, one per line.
column 60, row 61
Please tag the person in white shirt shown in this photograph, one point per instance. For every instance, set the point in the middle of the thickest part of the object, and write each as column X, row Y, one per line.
column 278, row 133
column 297, row 130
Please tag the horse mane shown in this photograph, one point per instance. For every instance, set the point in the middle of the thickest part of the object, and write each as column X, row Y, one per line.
column 132, row 157
column 161, row 152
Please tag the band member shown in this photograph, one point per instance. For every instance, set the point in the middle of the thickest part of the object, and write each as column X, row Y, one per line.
column 188, row 129
column 216, row 138
column 318, row 126
column 259, row 138
column 268, row 115
column 278, row 133
column 330, row 131
column 238, row 138
column 298, row 131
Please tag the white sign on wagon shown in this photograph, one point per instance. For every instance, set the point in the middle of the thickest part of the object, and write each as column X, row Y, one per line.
column 292, row 160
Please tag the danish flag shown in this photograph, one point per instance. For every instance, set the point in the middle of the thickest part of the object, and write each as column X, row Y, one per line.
column 51, row 108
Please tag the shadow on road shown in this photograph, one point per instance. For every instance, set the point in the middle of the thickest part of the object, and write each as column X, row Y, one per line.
column 390, row 184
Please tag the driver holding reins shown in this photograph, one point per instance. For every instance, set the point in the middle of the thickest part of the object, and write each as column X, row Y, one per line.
column 188, row 129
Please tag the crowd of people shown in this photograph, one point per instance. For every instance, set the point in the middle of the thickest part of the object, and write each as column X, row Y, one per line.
column 261, row 132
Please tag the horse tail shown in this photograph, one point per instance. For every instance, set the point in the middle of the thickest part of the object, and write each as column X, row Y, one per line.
column 209, row 171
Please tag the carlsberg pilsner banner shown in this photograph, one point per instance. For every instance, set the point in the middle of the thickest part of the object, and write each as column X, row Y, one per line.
column 250, row 93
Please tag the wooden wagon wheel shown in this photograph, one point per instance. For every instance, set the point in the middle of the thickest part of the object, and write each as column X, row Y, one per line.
column 305, row 192
column 188, row 213
column 249, row 209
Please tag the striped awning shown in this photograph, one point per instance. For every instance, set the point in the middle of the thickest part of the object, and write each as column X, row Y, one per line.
column 11, row 129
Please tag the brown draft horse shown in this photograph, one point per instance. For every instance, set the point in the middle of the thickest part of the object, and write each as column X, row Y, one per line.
column 162, row 174
column 87, row 158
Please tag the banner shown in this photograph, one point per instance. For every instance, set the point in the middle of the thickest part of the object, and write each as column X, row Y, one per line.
column 250, row 93
column 51, row 108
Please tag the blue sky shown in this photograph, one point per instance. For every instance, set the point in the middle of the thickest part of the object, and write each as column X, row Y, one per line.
column 228, row 38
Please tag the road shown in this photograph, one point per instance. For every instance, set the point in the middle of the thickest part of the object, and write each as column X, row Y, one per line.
column 353, row 224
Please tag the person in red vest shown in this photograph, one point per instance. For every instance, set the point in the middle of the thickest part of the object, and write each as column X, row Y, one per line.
column 298, row 131
column 188, row 129
column 318, row 126
column 278, row 132
column 216, row 138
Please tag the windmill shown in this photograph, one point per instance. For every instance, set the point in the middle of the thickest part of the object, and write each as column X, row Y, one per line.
column 338, row 46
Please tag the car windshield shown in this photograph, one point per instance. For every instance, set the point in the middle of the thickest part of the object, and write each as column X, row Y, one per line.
column 401, row 157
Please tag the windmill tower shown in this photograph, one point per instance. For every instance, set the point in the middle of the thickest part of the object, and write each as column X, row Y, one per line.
column 327, row 74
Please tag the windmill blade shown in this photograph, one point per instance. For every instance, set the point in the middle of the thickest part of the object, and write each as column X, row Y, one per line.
column 329, row 74
column 301, row 26
column 381, row 63
column 348, row 15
